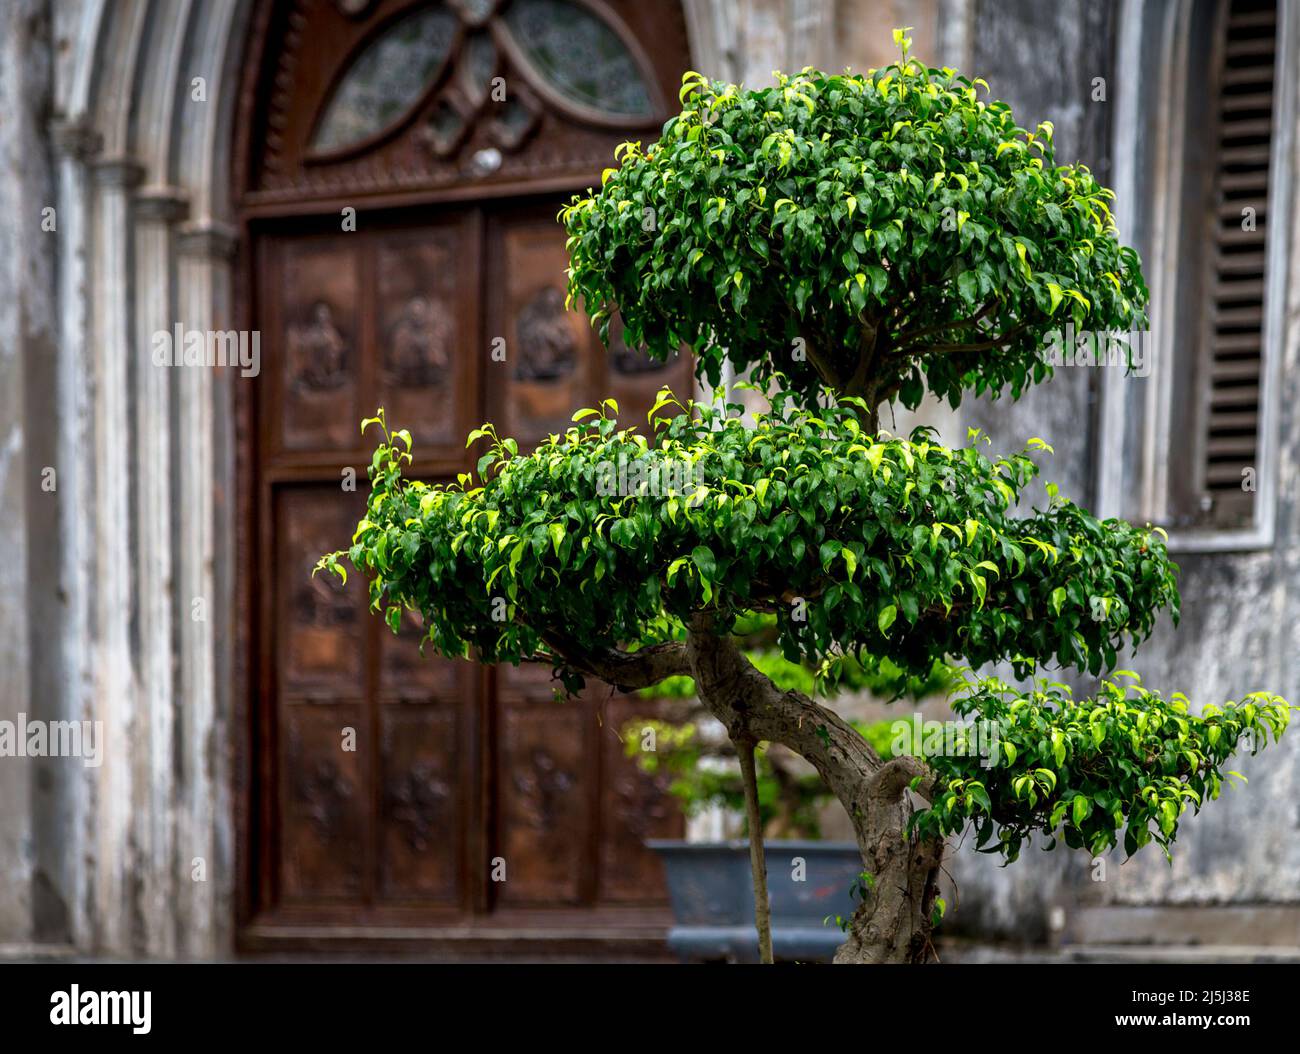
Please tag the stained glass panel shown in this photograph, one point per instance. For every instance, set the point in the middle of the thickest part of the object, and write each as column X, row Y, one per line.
column 477, row 66
column 387, row 78
column 579, row 56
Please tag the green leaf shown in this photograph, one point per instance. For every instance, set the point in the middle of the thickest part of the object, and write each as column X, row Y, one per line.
column 1058, row 598
column 1054, row 291
column 705, row 562
column 968, row 287
column 850, row 561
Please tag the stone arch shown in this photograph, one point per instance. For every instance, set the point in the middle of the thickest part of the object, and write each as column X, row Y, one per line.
column 141, row 166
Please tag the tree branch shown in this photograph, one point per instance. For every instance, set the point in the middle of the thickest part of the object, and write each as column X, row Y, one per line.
column 987, row 345
column 892, row 922
column 627, row 671
column 868, row 348
column 749, row 704
column 941, row 327
column 894, row 776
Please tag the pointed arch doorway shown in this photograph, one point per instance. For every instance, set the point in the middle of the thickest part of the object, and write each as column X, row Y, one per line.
column 399, row 166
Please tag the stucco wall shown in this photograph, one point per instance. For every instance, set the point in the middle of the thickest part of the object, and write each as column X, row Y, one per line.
column 1238, row 631
column 24, row 60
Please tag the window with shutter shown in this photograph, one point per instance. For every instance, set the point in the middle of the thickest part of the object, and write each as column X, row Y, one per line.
column 1216, row 438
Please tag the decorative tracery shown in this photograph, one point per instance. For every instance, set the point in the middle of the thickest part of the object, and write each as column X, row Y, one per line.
column 443, row 68
column 366, row 98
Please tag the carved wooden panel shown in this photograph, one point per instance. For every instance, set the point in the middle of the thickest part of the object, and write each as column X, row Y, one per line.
column 552, row 355
column 324, row 802
column 633, row 379
column 421, row 834
column 320, row 619
column 406, row 674
column 315, row 351
column 545, row 780
column 427, row 338
column 634, row 806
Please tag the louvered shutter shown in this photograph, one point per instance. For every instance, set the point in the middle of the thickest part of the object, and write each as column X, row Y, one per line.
column 1232, row 330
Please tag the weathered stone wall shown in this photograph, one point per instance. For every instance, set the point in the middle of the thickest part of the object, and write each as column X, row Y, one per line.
column 100, row 572
column 16, row 180
column 32, row 600
column 1238, row 631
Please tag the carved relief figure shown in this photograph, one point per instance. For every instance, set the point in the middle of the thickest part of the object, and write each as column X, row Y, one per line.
column 542, row 786
column 318, row 354
column 324, row 792
column 318, row 602
column 417, row 801
column 547, row 347
column 419, row 351
column 641, row 803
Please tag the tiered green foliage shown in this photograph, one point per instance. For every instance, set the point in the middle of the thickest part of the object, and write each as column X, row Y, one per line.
column 900, row 547
column 1124, row 765
column 896, row 214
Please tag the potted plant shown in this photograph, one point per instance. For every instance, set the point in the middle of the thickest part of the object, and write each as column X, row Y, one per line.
column 812, row 883
column 846, row 241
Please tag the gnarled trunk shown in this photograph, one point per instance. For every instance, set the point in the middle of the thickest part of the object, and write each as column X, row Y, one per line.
column 894, row 920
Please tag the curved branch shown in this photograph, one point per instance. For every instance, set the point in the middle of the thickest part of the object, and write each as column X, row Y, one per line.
column 749, row 705
column 893, row 921
column 895, row 775
column 627, row 671
column 947, row 349
column 905, row 338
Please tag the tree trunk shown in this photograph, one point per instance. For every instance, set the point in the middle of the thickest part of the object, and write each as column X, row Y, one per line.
column 893, row 923
column 894, row 920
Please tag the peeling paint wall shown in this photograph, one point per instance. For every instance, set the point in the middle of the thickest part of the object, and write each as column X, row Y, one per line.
column 26, row 339
column 1240, row 610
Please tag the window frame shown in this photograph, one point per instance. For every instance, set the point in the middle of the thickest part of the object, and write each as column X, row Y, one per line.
column 1149, row 210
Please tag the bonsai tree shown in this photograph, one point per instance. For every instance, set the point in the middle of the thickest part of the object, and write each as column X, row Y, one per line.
column 846, row 241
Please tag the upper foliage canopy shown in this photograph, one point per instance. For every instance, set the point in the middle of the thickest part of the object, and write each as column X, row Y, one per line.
column 873, row 234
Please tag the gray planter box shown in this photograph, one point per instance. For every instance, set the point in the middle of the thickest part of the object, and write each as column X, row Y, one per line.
column 713, row 898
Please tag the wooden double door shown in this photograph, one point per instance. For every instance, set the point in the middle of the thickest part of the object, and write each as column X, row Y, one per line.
column 391, row 788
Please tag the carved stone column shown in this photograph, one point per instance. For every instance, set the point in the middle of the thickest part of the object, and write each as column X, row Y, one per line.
column 109, row 357
column 205, row 571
